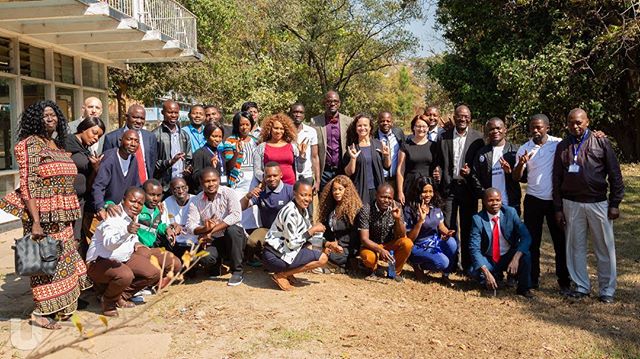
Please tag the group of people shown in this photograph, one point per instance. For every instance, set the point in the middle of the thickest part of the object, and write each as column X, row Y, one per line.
column 122, row 201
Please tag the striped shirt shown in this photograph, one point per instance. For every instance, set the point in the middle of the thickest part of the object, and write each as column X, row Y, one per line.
column 243, row 161
column 225, row 207
column 289, row 232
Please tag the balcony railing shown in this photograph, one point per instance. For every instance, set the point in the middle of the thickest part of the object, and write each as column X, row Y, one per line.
column 166, row 16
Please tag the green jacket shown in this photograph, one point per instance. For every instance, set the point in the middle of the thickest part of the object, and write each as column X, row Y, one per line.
column 151, row 226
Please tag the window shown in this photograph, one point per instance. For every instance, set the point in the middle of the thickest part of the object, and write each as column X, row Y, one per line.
column 32, row 61
column 93, row 74
column 6, row 145
column 32, row 93
column 64, row 99
column 5, row 55
column 63, row 68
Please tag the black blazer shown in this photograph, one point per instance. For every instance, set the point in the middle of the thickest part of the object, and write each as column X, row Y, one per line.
column 481, row 176
column 113, row 138
column 444, row 155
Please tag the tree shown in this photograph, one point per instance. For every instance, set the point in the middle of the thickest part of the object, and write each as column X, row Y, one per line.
column 516, row 58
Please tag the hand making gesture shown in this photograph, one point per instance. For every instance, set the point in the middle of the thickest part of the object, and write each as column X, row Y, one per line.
column 524, row 158
column 353, row 151
column 465, row 170
column 302, row 148
column 506, row 167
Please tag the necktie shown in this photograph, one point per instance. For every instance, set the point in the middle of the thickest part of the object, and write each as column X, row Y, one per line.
column 142, row 169
column 496, row 239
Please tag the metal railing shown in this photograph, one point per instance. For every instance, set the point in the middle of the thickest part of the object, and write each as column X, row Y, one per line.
column 166, row 16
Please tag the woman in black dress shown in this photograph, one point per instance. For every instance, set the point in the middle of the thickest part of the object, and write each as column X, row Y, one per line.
column 209, row 155
column 416, row 157
column 87, row 134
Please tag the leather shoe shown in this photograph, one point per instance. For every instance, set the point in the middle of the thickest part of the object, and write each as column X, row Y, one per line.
column 607, row 299
column 526, row 293
column 121, row 303
column 109, row 310
column 565, row 291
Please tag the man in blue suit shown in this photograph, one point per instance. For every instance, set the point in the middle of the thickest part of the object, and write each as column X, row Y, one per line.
column 500, row 242
column 147, row 153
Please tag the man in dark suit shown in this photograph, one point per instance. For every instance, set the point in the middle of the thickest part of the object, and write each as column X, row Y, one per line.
column 500, row 242
column 393, row 137
column 493, row 165
column 146, row 154
column 332, row 136
column 454, row 152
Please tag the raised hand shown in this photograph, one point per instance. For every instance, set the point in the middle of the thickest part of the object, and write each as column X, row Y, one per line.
column 506, row 167
column 214, row 161
column 95, row 161
column 396, row 213
column 437, row 174
column 255, row 193
column 524, row 158
column 465, row 170
column 133, row 227
column 385, row 150
column 302, row 147
column 179, row 156
column 353, row 151
column 423, row 212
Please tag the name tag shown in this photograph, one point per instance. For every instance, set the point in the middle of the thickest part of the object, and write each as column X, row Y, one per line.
column 574, row 168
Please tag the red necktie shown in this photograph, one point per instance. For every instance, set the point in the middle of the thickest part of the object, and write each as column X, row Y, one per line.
column 142, row 169
column 496, row 239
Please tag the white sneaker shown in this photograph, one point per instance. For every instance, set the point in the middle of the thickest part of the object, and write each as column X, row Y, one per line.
column 143, row 293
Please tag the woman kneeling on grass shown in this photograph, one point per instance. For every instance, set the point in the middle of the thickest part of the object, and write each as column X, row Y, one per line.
column 286, row 251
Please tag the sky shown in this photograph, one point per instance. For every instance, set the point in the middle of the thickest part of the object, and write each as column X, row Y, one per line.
column 430, row 39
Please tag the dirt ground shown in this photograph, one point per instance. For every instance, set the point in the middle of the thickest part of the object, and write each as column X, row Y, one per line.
column 338, row 316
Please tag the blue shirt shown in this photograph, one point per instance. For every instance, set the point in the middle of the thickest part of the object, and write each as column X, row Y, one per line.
column 271, row 201
column 430, row 224
column 197, row 138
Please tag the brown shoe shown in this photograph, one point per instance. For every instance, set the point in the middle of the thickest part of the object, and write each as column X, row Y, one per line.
column 282, row 283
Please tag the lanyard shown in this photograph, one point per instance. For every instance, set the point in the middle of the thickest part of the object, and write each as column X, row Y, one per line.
column 577, row 149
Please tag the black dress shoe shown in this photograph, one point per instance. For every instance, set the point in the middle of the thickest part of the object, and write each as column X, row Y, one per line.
column 578, row 295
column 526, row 293
column 608, row 299
column 565, row 291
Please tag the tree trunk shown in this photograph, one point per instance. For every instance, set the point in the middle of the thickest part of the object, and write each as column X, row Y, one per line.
column 121, row 101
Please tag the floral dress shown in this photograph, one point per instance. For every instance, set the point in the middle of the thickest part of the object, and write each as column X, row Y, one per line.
column 47, row 175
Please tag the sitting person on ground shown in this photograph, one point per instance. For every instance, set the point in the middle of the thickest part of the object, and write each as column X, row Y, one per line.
column 214, row 216
column 270, row 196
column 176, row 207
column 286, row 250
column 384, row 230
column 155, row 230
column 433, row 243
column 341, row 210
column 117, row 260
column 500, row 242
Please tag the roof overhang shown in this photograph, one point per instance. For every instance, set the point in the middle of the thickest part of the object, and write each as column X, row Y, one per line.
column 91, row 29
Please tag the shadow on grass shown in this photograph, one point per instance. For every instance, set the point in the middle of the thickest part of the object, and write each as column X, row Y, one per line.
column 617, row 324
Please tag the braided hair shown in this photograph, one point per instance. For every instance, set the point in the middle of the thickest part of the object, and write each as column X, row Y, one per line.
column 32, row 122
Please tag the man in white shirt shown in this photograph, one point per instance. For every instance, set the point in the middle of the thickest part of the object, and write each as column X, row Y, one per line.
column 117, row 260
column 433, row 119
column 306, row 133
column 493, row 164
column 215, row 215
column 535, row 165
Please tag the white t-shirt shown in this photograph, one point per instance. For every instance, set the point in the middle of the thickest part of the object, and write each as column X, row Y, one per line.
column 540, row 167
column 497, row 173
column 124, row 164
column 310, row 133
column 176, row 214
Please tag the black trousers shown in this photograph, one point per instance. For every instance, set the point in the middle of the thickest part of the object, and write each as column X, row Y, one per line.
column 462, row 201
column 536, row 210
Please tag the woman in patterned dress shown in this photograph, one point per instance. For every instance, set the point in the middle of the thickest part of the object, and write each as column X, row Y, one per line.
column 48, row 205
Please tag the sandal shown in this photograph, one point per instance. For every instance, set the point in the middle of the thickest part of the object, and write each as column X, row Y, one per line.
column 282, row 283
column 293, row 280
column 45, row 322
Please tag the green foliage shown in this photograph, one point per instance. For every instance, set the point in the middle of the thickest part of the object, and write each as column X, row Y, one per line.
column 277, row 52
column 516, row 58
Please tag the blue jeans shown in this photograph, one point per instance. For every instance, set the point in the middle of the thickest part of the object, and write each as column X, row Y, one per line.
column 439, row 259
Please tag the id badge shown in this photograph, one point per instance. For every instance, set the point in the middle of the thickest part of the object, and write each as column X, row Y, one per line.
column 574, row 168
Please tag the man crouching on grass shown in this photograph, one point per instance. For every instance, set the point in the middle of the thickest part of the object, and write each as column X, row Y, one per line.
column 117, row 260
column 500, row 242
column 286, row 251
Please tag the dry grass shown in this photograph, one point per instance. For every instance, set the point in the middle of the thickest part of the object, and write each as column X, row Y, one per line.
column 338, row 316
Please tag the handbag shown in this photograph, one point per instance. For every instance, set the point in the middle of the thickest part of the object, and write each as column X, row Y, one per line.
column 36, row 257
